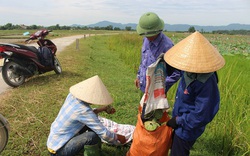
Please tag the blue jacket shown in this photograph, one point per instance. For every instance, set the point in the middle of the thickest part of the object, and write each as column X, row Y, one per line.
column 195, row 106
column 150, row 52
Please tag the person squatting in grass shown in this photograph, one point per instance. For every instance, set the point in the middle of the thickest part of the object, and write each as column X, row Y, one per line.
column 197, row 97
column 68, row 135
column 155, row 42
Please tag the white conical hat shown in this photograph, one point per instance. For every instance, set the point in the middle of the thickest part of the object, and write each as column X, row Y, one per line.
column 92, row 91
column 195, row 54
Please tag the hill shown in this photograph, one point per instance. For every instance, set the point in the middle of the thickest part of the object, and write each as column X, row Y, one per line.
column 174, row 27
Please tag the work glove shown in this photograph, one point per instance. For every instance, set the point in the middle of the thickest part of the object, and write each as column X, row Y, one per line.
column 172, row 123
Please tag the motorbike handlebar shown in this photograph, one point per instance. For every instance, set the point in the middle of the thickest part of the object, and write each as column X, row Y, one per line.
column 27, row 40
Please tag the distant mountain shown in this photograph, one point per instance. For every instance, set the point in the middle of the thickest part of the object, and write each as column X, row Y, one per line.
column 185, row 27
column 173, row 27
column 107, row 23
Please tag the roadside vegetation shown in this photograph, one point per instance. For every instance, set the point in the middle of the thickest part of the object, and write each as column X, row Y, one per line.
column 18, row 34
column 32, row 107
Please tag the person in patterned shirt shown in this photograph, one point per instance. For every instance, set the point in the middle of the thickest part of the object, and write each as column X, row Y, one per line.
column 67, row 136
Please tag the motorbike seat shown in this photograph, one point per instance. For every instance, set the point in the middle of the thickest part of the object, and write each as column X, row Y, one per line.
column 30, row 48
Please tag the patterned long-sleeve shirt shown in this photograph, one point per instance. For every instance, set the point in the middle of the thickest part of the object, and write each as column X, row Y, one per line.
column 150, row 52
column 73, row 116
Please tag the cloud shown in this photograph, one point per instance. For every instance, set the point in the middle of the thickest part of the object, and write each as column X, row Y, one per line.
column 65, row 12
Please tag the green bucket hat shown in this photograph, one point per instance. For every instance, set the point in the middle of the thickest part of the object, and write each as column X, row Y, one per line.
column 150, row 25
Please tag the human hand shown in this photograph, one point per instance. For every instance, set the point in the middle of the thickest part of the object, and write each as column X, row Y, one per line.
column 172, row 123
column 137, row 83
column 110, row 110
column 121, row 138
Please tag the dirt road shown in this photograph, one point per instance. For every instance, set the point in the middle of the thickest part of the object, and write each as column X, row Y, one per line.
column 61, row 43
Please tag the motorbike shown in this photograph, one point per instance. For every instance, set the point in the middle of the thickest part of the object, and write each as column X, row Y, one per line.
column 22, row 62
column 4, row 132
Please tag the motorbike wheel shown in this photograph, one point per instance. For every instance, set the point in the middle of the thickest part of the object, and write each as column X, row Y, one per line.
column 12, row 78
column 4, row 132
column 57, row 66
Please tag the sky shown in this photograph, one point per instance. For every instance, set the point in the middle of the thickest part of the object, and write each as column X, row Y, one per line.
column 85, row 12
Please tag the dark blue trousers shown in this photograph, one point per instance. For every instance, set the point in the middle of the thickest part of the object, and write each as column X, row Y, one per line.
column 181, row 147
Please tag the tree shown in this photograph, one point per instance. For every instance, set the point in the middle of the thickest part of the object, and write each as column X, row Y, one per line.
column 8, row 26
column 57, row 27
column 117, row 28
column 110, row 27
column 191, row 29
column 128, row 28
column 33, row 27
column 202, row 30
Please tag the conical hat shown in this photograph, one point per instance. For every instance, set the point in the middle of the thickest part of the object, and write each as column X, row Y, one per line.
column 92, row 91
column 195, row 54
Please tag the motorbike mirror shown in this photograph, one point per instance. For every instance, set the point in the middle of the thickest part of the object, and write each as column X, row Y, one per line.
column 38, row 33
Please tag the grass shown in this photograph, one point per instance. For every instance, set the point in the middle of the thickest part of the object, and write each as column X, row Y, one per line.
column 32, row 107
column 14, row 34
column 228, row 133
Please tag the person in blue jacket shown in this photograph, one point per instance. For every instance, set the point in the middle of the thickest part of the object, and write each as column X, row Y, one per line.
column 155, row 42
column 197, row 97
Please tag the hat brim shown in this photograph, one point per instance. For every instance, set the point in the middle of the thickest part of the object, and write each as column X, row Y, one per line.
column 150, row 32
column 92, row 91
column 195, row 54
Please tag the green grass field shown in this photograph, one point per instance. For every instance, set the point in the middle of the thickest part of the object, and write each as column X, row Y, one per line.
column 32, row 107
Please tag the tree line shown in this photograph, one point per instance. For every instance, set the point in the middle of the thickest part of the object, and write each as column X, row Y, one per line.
column 232, row 32
column 229, row 32
column 10, row 26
